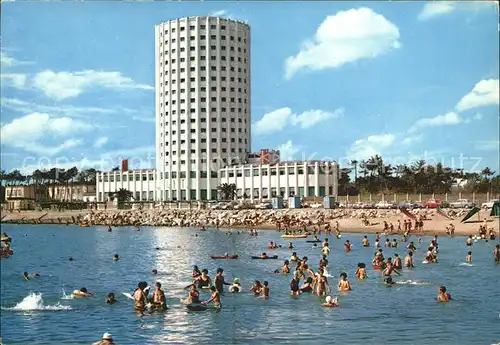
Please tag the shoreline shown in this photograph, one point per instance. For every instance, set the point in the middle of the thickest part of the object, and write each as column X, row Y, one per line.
column 349, row 220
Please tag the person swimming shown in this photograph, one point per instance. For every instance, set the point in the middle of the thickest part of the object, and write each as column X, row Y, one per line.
column 330, row 302
column 83, row 292
column 290, row 245
column 294, row 257
column 110, row 299
column 26, row 276
column 411, row 246
column 116, row 257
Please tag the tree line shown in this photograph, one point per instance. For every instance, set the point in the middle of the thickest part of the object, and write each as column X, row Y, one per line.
column 374, row 176
column 49, row 178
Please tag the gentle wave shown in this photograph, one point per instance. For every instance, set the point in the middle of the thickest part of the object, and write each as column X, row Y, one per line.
column 34, row 301
column 413, row 282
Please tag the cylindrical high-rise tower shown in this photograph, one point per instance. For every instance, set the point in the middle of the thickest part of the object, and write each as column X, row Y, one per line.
column 202, row 103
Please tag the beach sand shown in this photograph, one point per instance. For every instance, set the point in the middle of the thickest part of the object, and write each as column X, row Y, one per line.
column 349, row 220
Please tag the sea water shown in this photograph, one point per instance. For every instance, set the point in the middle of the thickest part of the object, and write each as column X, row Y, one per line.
column 43, row 310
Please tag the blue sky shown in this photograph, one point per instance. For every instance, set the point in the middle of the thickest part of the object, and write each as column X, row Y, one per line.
column 403, row 80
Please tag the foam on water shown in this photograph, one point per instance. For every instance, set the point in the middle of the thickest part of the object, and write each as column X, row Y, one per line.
column 66, row 297
column 413, row 282
column 34, row 301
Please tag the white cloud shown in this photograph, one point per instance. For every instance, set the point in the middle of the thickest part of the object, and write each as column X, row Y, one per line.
column 17, row 80
column 278, row 119
column 409, row 140
column 272, row 122
column 436, row 9
column 63, row 85
column 25, row 107
column 28, row 132
column 484, row 93
column 100, row 142
column 370, row 146
column 288, row 151
column 8, row 61
column 488, row 145
column 344, row 37
column 311, row 117
column 447, row 119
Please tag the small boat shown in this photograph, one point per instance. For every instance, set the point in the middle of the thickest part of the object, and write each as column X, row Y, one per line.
column 266, row 258
column 294, row 236
column 226, row 257
column 310, row 241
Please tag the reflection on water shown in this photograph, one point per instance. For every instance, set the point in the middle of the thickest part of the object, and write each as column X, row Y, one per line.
column 410, row 308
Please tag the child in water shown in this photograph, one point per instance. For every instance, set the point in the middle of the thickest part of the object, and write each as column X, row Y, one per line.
column 361, row 271
column 265, row 290
column 236, row 287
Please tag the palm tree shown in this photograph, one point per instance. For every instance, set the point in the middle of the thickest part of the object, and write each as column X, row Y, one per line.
column 122, row 196
column 227, row 191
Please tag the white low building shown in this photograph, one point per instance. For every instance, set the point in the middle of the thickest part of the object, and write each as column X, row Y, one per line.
column 261, row 182
column 253, row 182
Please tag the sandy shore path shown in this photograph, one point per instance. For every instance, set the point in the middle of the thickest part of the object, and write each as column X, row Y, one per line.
column 349, row 220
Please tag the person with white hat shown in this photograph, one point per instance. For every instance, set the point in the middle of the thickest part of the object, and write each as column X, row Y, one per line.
column 107, row 339
column 330, row 302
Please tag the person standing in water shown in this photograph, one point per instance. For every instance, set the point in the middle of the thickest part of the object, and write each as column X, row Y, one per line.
column 344, row 284
column 409, row 260
column 443, row 295
column 219, row 281
column 496, row 253
column 140, row 298
column 215, row 297
column 397, row 262
column 159, row 300
column 468, row 258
